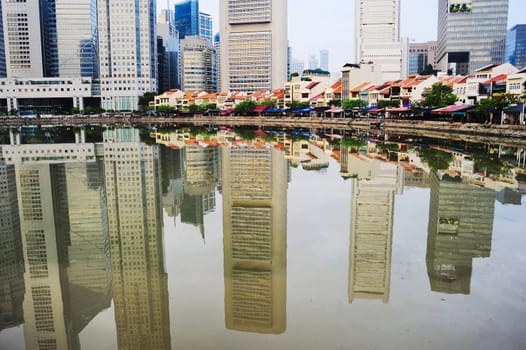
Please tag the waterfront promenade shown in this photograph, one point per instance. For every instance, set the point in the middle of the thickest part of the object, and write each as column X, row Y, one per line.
column 512, row 134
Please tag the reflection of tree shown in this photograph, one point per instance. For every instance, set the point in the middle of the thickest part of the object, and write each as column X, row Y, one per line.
column 353, row 144
column 435, row 159
column 490, row 165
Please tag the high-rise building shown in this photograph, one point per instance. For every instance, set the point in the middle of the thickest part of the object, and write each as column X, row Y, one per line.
column 186, row 18
column 168, row 49
column 128, row 52
column 255, row 238
column 3, row 72
column 313, row 62
column 470, row 34
column 421, row 55
column 217, row 47
column 377, row 37
column 77, row 41
column 460, row 228
column 516, row 46
column 324, row 59
column 205, row 26
column 253, row 45
column 133, row 192
column 197, row 64
column 297, row 66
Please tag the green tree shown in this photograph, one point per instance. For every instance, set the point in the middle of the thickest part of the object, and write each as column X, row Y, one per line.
column 435, row 159
column 268, row 103
column 351, row 104
column 353, row 144
column 490, row 165
column 245, row 107
column 439, row 96
column 293, row 75
column 298, row 105
column 144, row 100
column 337, row 103
column 388, row 104
column 493, row 105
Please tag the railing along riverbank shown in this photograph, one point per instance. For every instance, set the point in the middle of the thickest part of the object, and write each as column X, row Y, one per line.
column 449, row 130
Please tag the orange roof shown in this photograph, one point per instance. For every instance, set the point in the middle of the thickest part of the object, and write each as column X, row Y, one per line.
column 337, row 84
column 361, row 87
column 311, row 85
column 317, row 97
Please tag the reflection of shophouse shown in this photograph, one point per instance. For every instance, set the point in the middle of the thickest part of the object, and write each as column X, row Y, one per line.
column 60, row 201
column 11, row 256
column 374, row 188
column 254, row 224
column 460, row 229
column 140, row 291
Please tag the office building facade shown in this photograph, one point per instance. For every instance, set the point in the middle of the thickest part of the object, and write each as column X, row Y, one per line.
column 377, row 31
column 186, row 18
column 197, row 64
column 324, row 59
column 471, row 34
column 516, row 46
column 253, row 45
column 168, row 52
column 205, row 26
column 421, row 55
column 128, row 52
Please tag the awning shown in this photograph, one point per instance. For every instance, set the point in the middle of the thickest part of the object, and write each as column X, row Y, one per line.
column 274, row 110
column 305, row 110
column 399, row 110
column 227, row 112
column 260, row 133
column 514, row 109
column 335, row 110
column 259, row 109
column 453, row 109
column 376, row 110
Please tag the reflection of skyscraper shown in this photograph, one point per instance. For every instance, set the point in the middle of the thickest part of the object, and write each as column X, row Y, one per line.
column 172, row 179
column 371, row 227
column 11, row 259
column 66, row 277
column 201, row 174
column 140, row 291
column 254, row 223
column 460, row 229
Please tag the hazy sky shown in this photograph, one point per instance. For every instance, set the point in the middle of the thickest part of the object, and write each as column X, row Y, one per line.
column 315, row 25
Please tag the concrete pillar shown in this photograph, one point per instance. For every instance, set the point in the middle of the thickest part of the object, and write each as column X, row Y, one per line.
column 17, row 138
column 11, row 137
column 77, row 137
column 83, row 135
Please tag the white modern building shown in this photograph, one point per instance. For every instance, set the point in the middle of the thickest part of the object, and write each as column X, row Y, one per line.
column 253, row 45
column 128, row 52
column 377, row 37
column 197, row 64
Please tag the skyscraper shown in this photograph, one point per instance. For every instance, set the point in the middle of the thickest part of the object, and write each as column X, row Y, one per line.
column 377, row 37
column 324, row 59
column 168, row 48
column 128, row 52
column 516, row 46
column 421, row 55
column 3, row 72
column 205, row 26
column 186, row 17
column 197, row 64
column 470, row 34
column 253, row 44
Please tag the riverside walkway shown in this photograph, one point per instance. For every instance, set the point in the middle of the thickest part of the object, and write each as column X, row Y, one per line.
column 511, row 134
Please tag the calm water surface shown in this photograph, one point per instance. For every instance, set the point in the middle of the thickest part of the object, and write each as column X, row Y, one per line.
column 111, row 241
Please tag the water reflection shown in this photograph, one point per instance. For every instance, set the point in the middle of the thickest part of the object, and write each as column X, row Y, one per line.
column 460, row 229
column 255, row 238
column 81, row 224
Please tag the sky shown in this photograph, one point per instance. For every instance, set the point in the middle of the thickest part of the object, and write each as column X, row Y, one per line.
column 330, row 26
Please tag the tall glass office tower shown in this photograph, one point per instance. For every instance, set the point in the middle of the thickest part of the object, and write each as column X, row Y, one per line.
column 205, row 26
column 470, row 34
column 186, row 18
column 516, row 46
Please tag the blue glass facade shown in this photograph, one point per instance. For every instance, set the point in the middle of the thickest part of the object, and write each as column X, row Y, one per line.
column 186, row 18
column 516, row 46
column 205, row 26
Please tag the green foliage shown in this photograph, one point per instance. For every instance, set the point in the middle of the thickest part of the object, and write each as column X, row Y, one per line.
column 145, row 99
column 75, row 110
column 388, row 104
column 353, row 144
column 246, row 134
column 490, row 165
column 337, row 103
column 298, row 105
column 245, row 107
column 351, row 104
column 435, row 159
column 293, row 75
column 387, row 147
column 439, row 96
column 497, row 102
column 268, row 103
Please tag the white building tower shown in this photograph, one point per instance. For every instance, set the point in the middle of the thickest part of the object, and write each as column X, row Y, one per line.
column 253, row 44
column 128, row 52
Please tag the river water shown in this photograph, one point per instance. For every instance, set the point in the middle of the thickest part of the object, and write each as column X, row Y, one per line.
column 121, row 238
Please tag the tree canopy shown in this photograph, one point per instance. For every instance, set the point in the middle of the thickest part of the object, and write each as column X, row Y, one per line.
column 350, row 104
column 435, row 159
column 245, row 107
column 388, row 103
column 439, row 96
